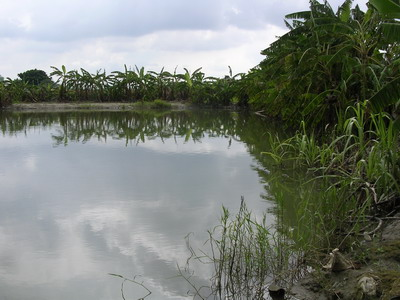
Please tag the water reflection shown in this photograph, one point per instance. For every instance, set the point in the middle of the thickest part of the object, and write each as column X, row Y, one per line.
column 86, row 194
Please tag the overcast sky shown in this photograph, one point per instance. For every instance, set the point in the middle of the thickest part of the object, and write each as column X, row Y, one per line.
column 106, row 34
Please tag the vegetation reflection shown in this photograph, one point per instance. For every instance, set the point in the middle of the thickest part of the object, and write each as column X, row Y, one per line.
column 137, row 127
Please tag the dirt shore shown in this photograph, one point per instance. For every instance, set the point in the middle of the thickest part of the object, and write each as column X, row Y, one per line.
column 376, row 274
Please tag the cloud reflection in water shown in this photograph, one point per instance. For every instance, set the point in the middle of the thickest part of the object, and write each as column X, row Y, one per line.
column 71, row 215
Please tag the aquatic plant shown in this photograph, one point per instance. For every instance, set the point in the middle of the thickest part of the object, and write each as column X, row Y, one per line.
column 247, row 257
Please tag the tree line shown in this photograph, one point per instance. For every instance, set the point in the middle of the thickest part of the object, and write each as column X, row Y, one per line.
column 130, row 85
column 327, row 62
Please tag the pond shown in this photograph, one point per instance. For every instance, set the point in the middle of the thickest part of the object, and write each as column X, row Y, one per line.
column 85, row 194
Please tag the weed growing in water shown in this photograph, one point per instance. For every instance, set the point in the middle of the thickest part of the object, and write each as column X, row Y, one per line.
column 247, row 256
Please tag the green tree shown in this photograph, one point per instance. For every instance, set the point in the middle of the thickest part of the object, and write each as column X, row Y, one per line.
column 34, row 77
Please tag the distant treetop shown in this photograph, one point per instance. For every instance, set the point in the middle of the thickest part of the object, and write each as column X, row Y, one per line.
column 35, row 77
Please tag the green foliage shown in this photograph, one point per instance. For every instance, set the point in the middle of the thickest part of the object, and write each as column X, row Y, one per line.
column 136, row 84
column 34, row 86
column 388, row 97
column 4, row 97
column 131, row 85
column 326, row 62
column 337, row 74
column 388, row 8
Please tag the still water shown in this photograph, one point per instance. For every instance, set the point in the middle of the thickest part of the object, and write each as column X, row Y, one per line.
column 85, row 194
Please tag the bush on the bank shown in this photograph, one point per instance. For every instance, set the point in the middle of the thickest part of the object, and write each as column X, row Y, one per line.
column 160, row 104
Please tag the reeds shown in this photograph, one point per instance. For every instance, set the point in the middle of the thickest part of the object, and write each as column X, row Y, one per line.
column 248, row 256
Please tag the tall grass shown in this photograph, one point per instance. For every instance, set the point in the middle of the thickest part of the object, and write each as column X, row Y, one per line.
column 352, row 173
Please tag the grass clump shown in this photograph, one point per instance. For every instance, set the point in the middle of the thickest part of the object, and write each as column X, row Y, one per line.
column 247, row 256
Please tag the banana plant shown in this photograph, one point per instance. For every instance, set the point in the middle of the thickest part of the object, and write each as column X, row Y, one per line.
column 145, row 85
column 326, row 62
column 5, row 98
column 125, row 83
column 63, row 77
column 390, row 9
column 163, row 81
column 190, row 82
column 389, row 94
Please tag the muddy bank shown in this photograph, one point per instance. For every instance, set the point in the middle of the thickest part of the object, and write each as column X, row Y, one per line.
column 375, row 273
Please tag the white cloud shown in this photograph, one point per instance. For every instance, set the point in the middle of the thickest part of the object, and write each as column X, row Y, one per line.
column 109, row 33
column 212, row 50
column 24, row 22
